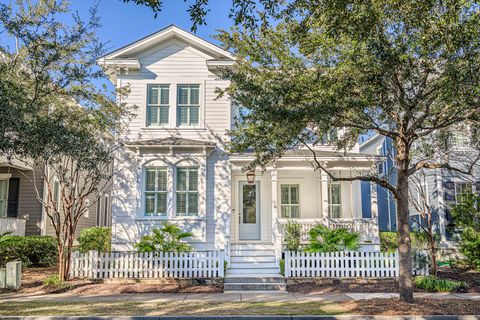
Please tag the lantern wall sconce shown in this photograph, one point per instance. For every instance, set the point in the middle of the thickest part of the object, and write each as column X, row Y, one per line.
column 251, row 177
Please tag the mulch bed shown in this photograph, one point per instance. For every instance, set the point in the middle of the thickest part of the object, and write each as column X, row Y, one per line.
column 32, row 283
column 392, row 307
column 471, row 277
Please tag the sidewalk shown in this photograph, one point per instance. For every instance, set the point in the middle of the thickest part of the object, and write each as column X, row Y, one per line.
column 227, row 297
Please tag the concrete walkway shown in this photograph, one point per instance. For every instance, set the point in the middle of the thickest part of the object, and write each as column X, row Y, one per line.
column 230, row 297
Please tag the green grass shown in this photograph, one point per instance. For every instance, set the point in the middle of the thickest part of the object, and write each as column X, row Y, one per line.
column 43, row 308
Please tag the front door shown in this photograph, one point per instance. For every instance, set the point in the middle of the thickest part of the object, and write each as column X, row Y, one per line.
column 249, row 211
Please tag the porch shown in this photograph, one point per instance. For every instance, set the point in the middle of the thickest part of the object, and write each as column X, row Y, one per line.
column 290, row 189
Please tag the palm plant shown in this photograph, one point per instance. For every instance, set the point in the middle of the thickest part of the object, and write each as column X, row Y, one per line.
column 169, row 238
column 323, row 239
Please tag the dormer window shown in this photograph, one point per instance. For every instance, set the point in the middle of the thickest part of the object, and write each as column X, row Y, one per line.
column 158, row 105
column 188, row 105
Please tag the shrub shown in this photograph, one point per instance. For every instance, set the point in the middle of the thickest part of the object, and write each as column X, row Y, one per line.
column 293, row 234
column 33, row 251
column 323, row 239
column 95, row 238
column 169, row 238
column 389, row 241
column 434, row 284
column 282, row 267
column 470, row 246
column 54, row 282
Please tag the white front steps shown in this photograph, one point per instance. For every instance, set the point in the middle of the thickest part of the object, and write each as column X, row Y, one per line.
column 253, row 267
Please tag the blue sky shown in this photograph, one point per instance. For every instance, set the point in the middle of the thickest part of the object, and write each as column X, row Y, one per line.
column 124, row 23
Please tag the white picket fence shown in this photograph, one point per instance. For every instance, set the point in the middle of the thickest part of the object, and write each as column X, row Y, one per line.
column 345, row 264
column 208, row 264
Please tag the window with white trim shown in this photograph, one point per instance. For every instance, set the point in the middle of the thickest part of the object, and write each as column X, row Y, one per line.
column 3, row 197
column 56, row 194
column 289, row 201
column 158, row 105
column 187, row 191
column 462, row 189
column 334, row 200
column 188, row 105
column 155, row 191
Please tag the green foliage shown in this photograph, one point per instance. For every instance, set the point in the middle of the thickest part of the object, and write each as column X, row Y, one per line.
column 282, row 267
column 33, row 251
column 467, row 213
column 470, row 246
column 168, row 238
column 54, row 282
column 323, row 239
column 95, row 238
column 434, row 284
column 466, row 217
column 293, row 234
column 389, row 240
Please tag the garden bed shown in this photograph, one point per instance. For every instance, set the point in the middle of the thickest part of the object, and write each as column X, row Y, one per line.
column 32, row 283
column 318, row 285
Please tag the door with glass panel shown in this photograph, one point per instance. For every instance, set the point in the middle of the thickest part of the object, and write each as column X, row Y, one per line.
column 249, row 211
column 3, row 197
column 334, row 200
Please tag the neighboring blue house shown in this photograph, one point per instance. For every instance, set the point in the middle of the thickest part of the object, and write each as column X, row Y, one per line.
column 442, row 187
column 387, row 210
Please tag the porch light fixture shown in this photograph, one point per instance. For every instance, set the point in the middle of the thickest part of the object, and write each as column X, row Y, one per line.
column 251, row 177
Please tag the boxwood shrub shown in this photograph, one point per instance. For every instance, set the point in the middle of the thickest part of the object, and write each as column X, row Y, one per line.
column 95, row 238
column 33, row 251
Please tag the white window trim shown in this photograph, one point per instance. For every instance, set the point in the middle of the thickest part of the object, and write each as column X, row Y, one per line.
column 198, row 213
column 5, row 177
column 169, row 106
column 200, row 104
column 457, row 183
column 144, row 192
column 330, row 204
column 289, row 204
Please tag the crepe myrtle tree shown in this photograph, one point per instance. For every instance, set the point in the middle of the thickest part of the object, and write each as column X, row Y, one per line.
column 407, row 70
column 53, row 114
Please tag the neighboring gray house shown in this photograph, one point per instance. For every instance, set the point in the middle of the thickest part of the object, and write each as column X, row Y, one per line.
column 443, row 188
column 22, row 214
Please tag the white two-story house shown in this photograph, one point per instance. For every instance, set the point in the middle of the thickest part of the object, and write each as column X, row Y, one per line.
column 175, row 166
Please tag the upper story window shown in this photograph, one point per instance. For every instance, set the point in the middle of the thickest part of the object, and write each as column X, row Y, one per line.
column 156, row 191
column 187, row 191
column 459, row 139
column 334, row 200
column 188, row 105
column 158, row 105
column 290, row 204
column 462, row 189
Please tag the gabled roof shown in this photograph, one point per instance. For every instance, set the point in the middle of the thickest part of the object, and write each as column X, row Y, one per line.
column 163, row 35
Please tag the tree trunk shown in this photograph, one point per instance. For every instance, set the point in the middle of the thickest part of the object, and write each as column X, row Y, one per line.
column 433, row 255
column 60, row 264
column 405, row 281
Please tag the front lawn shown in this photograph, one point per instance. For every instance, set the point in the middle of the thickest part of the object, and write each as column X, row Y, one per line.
column 361, row 307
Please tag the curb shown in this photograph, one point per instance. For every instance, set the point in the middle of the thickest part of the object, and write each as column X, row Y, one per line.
column 341, row 317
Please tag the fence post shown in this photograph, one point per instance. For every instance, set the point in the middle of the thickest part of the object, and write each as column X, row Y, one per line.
column 287, row 264
column 221, row 264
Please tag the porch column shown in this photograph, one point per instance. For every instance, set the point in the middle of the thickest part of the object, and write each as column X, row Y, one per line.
column 324, row 185
column 274, row 186
column 374, row 201
column 441, row 207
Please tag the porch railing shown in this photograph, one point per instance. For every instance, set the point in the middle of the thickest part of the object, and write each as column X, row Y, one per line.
column 14, row 226
column 366, row 227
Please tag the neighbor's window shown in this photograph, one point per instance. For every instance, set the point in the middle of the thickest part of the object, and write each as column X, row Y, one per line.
column 188, row 104
column 290, row 204
column 187, row 191
column 3, row 197
column 56, row 195
column 462, row 189
column 157, row 105
column 334, row 201
column 156, row 191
